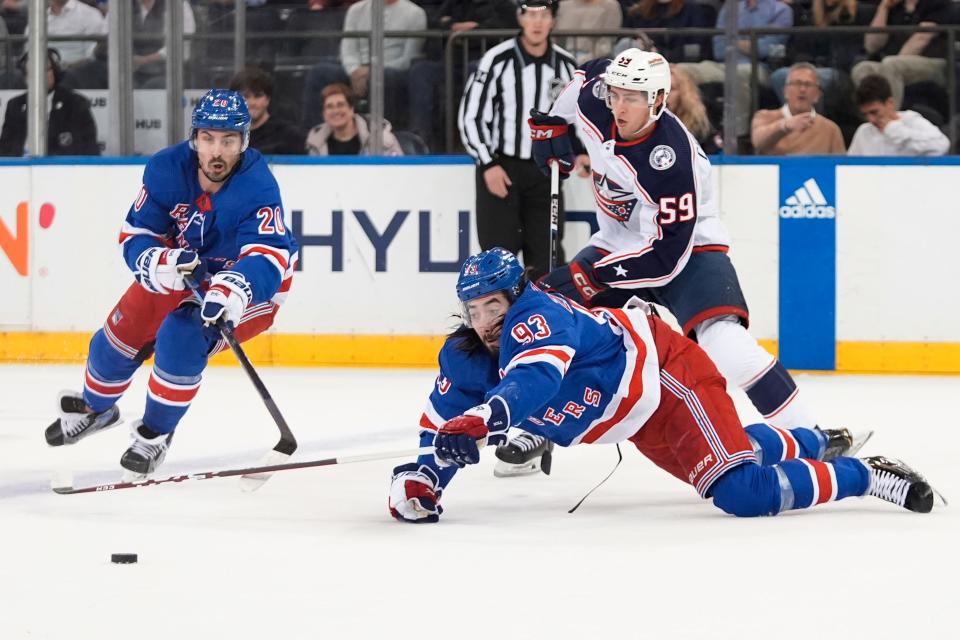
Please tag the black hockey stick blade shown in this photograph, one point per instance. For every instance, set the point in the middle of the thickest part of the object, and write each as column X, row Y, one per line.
column 64, row 485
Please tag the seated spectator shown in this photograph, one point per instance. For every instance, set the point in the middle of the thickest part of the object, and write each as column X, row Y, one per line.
column 751, row 14
column 671, row 14
column 317, row 15
column 150, row 55
column 71, row 130
column 904, row 58
column 796, row 128
column 426, row 78
column 14, row 15
column 354, row 66
column 827, row 54
column 685, row 102
column 595, row 15
column 260, row 16
column 75, row 18
column 888, row 132
column 269, row 134
column 344, row 132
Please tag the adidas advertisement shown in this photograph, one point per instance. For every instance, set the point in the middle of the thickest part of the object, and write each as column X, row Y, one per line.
column 808, row 263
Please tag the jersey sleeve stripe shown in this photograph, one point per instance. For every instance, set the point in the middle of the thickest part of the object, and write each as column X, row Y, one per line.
column 127, row 231
column 558, row 357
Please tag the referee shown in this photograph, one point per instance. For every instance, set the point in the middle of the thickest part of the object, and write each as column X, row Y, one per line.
column 513, row 196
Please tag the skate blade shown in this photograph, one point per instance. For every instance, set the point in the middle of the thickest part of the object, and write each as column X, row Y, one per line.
column 857, row 444
column 253, row 481
column 508, row 470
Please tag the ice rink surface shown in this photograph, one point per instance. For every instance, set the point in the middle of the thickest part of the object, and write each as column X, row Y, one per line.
column 314, row 553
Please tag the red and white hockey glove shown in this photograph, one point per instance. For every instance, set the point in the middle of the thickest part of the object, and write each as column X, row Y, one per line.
column 551, row 141
column 162, row 270
column 414, row 495
column 577, row 281
column 459, row 440
column 227, row 298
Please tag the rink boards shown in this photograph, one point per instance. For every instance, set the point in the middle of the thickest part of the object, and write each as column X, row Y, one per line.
column 846, row 264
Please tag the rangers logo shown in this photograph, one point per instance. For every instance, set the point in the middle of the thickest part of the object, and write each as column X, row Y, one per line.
column 662, row 157
column 471, row 269
column 612, row 199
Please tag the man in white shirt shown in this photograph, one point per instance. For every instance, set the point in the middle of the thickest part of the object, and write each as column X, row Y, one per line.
column 74, row 18
column 889, row 132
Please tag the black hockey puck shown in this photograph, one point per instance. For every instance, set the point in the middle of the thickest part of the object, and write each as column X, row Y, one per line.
column 123, row 558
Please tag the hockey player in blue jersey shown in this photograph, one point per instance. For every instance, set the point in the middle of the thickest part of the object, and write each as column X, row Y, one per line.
column 660, row 236
column 209, row 207
column 524, row 357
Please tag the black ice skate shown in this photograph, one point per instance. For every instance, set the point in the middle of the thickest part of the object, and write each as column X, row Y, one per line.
column 76, row 421
column 841, row 442
column 523, row 456
column 895, row 482
column 146, row 452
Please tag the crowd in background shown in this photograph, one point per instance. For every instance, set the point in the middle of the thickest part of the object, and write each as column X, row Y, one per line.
column 810, row 93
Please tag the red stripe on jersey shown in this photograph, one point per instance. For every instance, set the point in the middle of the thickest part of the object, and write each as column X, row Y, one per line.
column 557, row 353
column 105, row 388
column 824, row 482
column 426, row 424
column 714, row 312
column 160, row 389
column 722, row 248
column 269, row 252
column 636, row 383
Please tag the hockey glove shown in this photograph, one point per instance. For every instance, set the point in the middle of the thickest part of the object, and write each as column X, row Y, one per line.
column 227, row 298
column 551, row 141
column 161, row 270
column 414, row 494
column 577, row 281
column 459, row 440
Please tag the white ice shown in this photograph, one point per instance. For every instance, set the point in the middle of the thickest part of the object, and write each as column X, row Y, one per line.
column 314, row 553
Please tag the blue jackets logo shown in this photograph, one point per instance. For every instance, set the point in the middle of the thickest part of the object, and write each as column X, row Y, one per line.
column 807, row 202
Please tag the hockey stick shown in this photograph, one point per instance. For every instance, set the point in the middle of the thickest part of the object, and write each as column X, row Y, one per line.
column 287, row 443
column 554, row 214
column 64, row 485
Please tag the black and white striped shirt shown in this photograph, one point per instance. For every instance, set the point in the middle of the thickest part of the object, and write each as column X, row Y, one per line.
column 495, row 106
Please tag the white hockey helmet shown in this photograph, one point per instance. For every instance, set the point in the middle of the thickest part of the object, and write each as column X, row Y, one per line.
column 639, row 70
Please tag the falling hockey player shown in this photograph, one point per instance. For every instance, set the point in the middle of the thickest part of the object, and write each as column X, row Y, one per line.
column 582, row 376
column 208, row 205
column 660, row 235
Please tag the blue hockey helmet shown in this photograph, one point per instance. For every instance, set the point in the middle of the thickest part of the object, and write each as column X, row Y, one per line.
column 488, row 272
column 223, row 110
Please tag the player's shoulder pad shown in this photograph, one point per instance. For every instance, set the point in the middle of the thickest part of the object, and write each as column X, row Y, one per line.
column 664, row 161
column 472, row 370
column 167, row 168
column 254, row 182
column 535, row 302
column 593, row 68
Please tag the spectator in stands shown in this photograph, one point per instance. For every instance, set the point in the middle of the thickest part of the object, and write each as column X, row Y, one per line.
column 71, row 130
column 344, row 132
column 269, row 134
column 150, row 56
column 889, row 132
column 354, row 67
column 594, row 15
column 72, row 17
column 829, row 53
column 671, row 14
column 796, row 128
column 750, row 14
column 685, row 103
column 426, row 78
column 260, row 16
column 906, row 58
column 14, row 14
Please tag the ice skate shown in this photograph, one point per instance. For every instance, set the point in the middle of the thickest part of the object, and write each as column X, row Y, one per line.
column 76, row 421
column 895, row 482
column 146, row 452
column 524, row 455
column 841, row 442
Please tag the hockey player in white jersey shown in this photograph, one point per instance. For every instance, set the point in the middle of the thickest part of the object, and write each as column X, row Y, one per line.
column 660, row 235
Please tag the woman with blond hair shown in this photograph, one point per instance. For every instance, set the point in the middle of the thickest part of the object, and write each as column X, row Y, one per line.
column 686, row 103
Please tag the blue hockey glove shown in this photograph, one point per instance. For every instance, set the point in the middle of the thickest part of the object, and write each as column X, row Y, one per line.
column 551, row 141
column 228, row 297
column 162, row 270
column 459, row 440
column 577, row 281
column 414, row 495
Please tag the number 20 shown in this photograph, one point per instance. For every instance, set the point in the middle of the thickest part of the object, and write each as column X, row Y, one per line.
column 271, row 221
column 670, row 206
